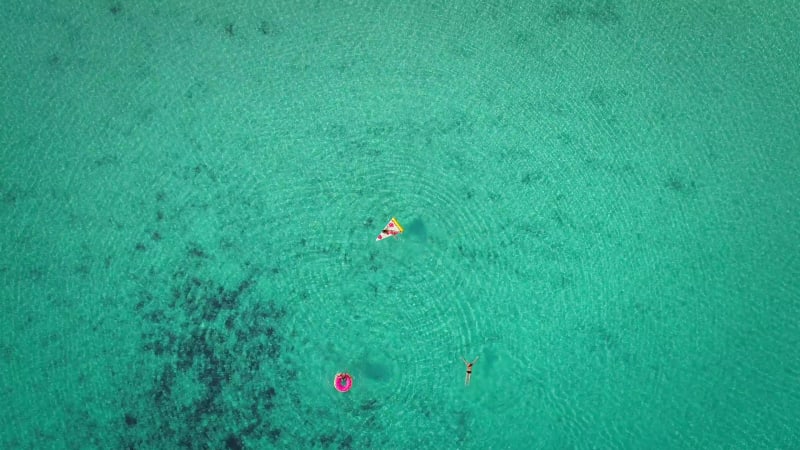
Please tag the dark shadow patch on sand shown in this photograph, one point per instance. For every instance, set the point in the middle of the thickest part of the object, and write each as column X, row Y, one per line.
column 417, row 230
column 680, row 185
column 375, row 371
column 599, row 13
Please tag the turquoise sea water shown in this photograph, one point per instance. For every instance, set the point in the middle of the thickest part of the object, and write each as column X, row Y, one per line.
column 601, row 202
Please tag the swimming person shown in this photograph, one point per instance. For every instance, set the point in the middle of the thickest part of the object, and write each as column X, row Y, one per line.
column 469, row 369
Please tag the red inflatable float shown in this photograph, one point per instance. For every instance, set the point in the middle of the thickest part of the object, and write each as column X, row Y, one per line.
column 343, row 382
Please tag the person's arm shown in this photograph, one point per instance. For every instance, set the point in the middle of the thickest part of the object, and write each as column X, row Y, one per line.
column 475, row 360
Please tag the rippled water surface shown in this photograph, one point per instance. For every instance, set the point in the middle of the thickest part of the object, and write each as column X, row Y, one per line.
column 600, row 202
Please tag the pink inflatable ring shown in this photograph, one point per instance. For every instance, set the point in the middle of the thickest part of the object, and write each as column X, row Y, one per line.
column 343, row 382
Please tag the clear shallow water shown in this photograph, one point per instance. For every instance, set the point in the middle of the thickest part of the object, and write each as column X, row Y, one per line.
column 600, row 201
